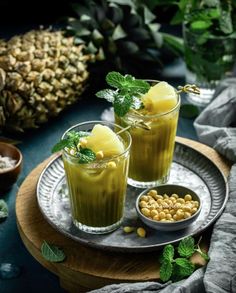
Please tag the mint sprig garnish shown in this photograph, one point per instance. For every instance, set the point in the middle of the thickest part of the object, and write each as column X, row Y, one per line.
column 52, row 253
column 127, row 93
column 71, row 141
column 179, row 267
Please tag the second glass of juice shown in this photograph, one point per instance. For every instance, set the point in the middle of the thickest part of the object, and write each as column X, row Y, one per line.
column 97, row 190
column 153, row 141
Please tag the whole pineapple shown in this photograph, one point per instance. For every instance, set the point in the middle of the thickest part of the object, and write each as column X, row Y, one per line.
column 41, row 72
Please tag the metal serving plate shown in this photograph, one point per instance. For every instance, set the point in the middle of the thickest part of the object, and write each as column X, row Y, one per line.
column 190, row 168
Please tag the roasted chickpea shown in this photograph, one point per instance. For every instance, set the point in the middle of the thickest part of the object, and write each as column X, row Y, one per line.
column 188, row 197
column 187, row 215
column 168, row 216
column 162, row 215
column 145, row 212
column 153, row 213
column 152, row 193
column 143, row 204
column 144, row 198
column 156, row 217
column 181, row 200
column 194, row 210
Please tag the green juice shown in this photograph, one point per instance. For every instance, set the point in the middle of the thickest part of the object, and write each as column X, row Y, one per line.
column 97, row 193
column 152, row 150
column 97, row 188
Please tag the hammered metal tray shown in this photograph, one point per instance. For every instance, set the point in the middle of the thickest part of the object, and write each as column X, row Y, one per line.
column 190, row 168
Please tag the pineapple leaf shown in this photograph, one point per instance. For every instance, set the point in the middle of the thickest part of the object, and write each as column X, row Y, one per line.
column 91, row 48
column 129, row 47
column 97, row 36
column 85, row 18
column 129, row 3
column 148, row 15
column 118, row 33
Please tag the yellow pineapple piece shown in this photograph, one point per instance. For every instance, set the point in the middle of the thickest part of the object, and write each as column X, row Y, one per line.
column 160, row 98
column 103, row 139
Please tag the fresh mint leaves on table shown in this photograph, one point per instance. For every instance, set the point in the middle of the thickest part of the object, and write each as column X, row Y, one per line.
column 179, row 267
column 84, row 155
column 3, row 209
column 52, row 252
column 127, row 92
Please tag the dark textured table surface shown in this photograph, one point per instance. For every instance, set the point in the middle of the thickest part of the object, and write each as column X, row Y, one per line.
column 35, row 147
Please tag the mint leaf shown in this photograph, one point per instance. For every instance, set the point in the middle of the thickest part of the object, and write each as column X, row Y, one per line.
column 52, row 253
column 200, row 25
column 127, row 82
column 166, row 270
column 186, row 247
column 115, row 79
column 86, row 156
column 3, row 209
column 60, row 145
column 107, row 94
column 136, row 86
column 75, row 136
column 168, row 252
column 122, row 104
column 225, row 20
column 72, row 139
column 185, row 267
column 137, row 103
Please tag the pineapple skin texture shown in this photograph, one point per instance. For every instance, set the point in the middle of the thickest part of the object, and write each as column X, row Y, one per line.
column 41, row 73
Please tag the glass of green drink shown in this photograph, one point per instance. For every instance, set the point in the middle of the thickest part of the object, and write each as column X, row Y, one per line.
column 97, row 189
column 149, row 109
column 153, row 139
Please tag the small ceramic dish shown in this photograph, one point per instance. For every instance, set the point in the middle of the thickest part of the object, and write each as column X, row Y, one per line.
column 169, row 189
column 9, row 176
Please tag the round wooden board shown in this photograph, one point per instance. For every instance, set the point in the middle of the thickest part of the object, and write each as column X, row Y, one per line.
column 87, row 268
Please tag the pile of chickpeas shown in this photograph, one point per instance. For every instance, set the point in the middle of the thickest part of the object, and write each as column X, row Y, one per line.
column 165, row 208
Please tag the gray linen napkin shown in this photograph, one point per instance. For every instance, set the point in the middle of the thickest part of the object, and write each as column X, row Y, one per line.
column 216, row 127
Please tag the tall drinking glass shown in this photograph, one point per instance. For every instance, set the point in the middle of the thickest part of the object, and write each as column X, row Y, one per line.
column 152, row 150
column 97, row 190
column 208, row 59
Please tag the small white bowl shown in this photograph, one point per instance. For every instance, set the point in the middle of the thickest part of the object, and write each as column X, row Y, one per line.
column 169, row 226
